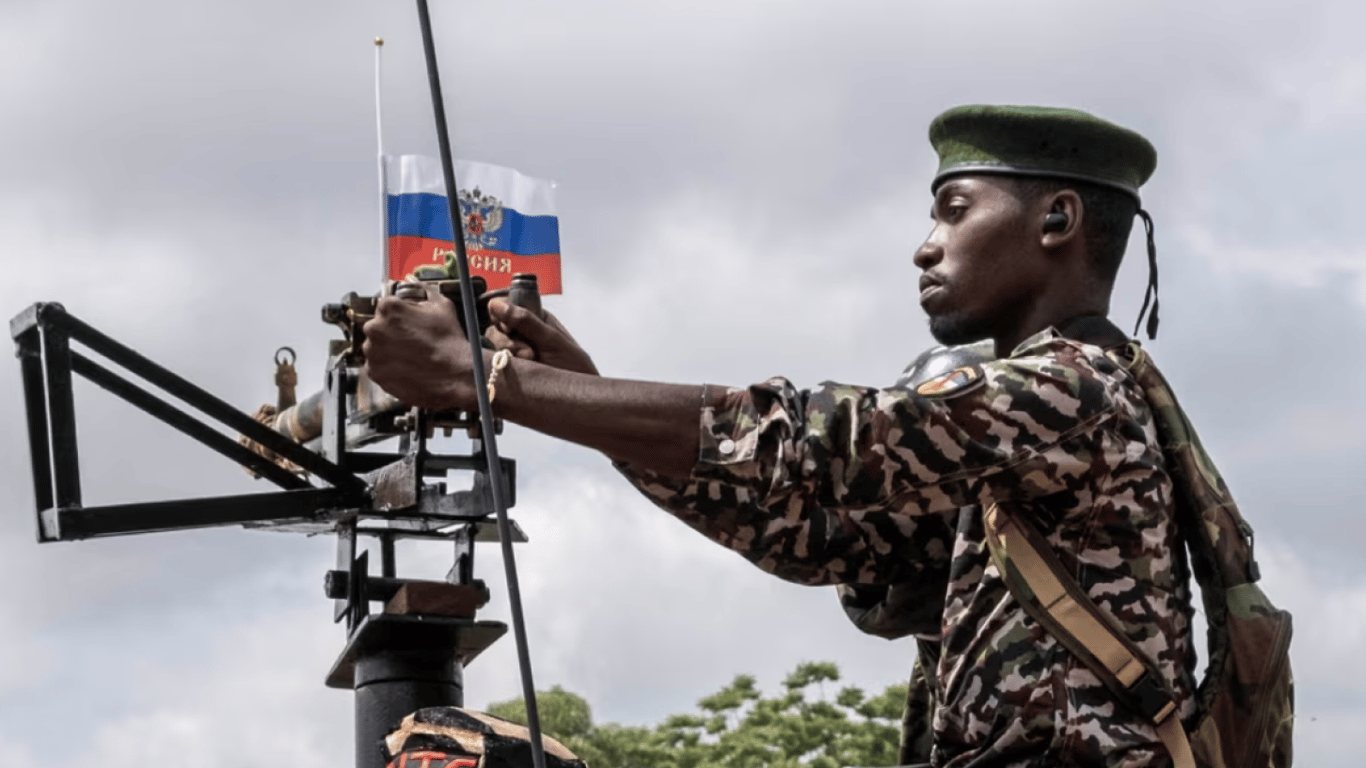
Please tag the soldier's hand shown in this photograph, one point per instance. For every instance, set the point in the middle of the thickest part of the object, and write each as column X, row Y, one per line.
column 417, row 352
column 532, row 337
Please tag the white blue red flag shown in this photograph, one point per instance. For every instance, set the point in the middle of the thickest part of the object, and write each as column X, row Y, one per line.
column 509, row 220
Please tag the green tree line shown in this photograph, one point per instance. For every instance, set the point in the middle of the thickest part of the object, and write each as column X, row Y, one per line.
column 737, row 727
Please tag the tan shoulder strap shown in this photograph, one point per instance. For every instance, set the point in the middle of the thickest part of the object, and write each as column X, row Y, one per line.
column 1045, row 590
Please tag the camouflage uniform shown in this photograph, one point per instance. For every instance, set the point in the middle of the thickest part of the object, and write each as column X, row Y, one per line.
column 852, row 485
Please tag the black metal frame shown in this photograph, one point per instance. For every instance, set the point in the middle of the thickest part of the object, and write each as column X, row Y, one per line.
column 396, row 664
column 44, row 334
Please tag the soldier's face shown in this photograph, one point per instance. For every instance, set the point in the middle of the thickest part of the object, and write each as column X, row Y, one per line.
column 980, row 270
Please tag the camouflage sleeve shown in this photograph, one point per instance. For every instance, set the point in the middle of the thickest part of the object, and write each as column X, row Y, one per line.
column 844, row 484
column 893, row 611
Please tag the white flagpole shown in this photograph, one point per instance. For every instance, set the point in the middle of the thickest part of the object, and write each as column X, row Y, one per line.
column 383, row 170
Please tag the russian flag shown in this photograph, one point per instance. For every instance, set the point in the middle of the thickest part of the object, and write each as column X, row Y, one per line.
column 509, row 220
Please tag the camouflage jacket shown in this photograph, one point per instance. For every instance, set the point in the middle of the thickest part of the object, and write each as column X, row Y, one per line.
column 853, row 485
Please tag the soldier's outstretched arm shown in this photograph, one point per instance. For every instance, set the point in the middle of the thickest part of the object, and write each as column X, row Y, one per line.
column 819, row 485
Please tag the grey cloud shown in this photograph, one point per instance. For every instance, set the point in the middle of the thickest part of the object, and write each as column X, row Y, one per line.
column 198, row 179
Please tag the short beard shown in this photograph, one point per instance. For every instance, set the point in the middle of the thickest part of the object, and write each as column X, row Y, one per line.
column 953, row 329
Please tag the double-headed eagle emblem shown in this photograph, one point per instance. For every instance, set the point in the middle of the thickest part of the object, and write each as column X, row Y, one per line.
column 482, row 216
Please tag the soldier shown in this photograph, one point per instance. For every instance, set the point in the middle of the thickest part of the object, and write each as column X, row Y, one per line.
column 1032, row 209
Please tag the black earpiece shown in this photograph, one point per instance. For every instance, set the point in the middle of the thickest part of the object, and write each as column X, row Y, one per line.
column 1055, row 222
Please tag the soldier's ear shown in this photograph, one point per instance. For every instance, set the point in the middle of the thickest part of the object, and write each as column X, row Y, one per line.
column 1061, row 220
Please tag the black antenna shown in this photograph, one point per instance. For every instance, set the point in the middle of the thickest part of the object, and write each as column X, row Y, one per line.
column 485, row 408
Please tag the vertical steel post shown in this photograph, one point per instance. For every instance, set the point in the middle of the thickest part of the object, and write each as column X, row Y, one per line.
column 61, row 409
column 35, row 401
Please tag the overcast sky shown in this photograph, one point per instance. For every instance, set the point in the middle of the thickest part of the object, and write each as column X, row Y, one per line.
column 741, row 186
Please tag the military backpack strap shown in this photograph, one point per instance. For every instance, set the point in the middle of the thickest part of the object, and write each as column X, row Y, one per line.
column 1246, row 701
column 1053, row 598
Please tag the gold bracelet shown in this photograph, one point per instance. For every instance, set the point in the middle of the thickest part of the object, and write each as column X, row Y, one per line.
column 501, row 358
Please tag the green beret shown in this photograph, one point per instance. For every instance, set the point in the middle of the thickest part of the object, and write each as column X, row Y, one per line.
column 1040, row 141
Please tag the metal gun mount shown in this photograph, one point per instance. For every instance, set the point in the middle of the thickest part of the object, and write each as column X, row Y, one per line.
column 404, row 658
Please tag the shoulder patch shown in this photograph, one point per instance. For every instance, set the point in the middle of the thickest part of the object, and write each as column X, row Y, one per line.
column 955, row 382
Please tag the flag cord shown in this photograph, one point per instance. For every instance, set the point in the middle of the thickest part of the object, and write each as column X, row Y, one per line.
column 495, row 466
